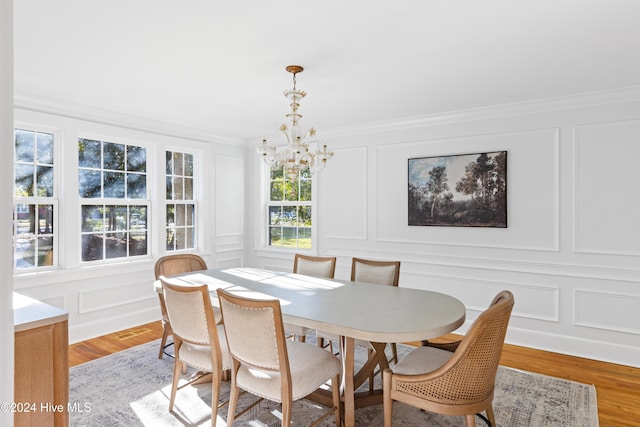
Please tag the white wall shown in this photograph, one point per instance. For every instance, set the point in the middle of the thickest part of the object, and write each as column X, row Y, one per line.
column 570, row 253
column 103, row 298
column 6, row 138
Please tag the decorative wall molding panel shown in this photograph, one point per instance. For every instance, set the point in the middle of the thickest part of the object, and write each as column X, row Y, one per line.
column 593, row 308
column 606, row 187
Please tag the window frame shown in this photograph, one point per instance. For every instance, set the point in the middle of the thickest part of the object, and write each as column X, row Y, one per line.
column 36, row 200
column 267, row 203
column 195, row 190
column 147, row 201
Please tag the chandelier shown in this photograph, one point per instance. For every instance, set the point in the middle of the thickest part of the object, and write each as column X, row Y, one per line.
column 296, row 156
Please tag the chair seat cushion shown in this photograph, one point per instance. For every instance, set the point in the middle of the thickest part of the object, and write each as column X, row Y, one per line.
column 310, row 367
column 422, row 360
column 199, row 356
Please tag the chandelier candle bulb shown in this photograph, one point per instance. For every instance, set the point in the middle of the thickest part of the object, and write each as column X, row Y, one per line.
column 296, row 156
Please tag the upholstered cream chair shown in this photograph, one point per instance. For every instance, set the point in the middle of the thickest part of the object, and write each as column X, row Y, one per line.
column 268, row 365
column 199, row 342
column 379, row 273
column 453, row 378
column 168, row 266
column 322, row 267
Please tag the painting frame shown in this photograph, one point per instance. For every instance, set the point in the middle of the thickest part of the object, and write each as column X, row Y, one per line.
column 479, row 196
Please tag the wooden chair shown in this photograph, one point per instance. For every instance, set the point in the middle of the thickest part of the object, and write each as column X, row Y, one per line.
column 198, row 341
column 323, row 267
column 453, row 378
column 168, row 266
column 268, row 365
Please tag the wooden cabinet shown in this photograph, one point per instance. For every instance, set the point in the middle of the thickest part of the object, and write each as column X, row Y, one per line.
column 41, row 394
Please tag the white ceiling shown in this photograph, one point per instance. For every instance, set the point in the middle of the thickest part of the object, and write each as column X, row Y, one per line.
column 217, row 67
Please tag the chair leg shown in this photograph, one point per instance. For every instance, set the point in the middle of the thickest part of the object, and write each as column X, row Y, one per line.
column 335, row 389
column 163, row 342
column 491, row 416
column 286, row 412
column 215, row 397
column 471, row 420
column 387, row 402
column 394, row 347
column 177, row 368
column 233, row 402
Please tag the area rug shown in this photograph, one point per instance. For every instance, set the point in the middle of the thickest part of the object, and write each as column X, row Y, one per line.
column 132, row 388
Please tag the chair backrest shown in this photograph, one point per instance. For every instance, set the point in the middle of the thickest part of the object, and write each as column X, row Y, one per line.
column 190, row 313
column 180, row 263
column 255, row 332
column 378, row 272
column 324, row 267
column 471, row 371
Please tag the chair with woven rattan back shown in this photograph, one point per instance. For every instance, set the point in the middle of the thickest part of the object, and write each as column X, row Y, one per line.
column 315, row 266
column 453, row 378
column 199, row 342
column 268, row 365
column 168, row 266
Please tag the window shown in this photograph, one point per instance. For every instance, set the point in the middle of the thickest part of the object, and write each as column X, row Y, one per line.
column 112, row 184
column 290, row 210
column 34, row 207
column 181, row 208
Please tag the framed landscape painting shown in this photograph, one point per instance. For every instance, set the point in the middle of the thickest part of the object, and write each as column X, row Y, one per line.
column 468, row 190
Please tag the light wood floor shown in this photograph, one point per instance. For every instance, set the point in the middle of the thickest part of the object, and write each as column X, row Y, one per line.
column 617, row 386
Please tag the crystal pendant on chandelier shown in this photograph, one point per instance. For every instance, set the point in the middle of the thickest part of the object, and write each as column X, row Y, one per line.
column 296, row 156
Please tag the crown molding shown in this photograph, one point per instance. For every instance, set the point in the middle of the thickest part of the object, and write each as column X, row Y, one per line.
column 536, row 106
column 112, row 118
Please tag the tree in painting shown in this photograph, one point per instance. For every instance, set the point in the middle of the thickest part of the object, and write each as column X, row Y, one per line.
column 479, row 199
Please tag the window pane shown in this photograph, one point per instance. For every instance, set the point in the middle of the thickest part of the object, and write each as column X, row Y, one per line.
column 92, row 219
column 181, row 238
column 171, row 219
column 136, row 186
column 89, row 153
column 275, row 215
column 45, row 219
column 25, row 144
column 191, row 240
column 24, row 256
column 304, row 216
column 45, row 251
column 114, row 185
column 188, row 188
column 178, row 193
column 178, row 168
column 277, row 191
column 305, row 190
column 169, row 162
column 115, row 245
column 180, row 216
column 137, row 243
column 45, row 181
column 275, row 236
column 116, row 218
column 289, row 215
column 24, row 180
column 136, row 159
column 291, row 191
column 45, row 148
column 191, row 210
column 169, row 182
column 92, row 247
column 171, row 240
column 89, row 183
column 188, row 164
column 138, row 218
column 113, row 156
